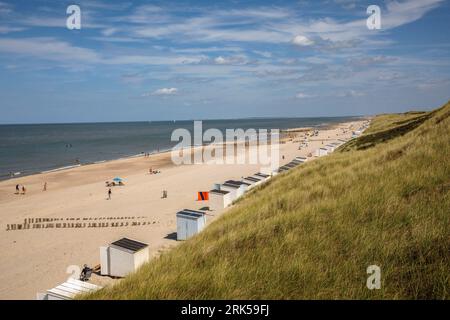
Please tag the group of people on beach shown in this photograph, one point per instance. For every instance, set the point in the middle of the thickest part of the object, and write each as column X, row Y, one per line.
column 20, row 189
column 151, row 171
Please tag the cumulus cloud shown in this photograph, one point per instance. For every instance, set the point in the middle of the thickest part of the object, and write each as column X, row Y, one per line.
column 165, row 92
column 302, row 41
column 236, row 60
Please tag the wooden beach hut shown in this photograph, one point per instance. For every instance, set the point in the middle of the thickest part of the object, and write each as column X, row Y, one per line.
column 321, row 152
column 189, row 223
column 330, row 147
column 122, row 257
column 243, row 186
column 233, row 189
column 262, row 176
column 301, row 159
column 68, row 290
column 219, row 199
column 291, row 165
column 252, row 181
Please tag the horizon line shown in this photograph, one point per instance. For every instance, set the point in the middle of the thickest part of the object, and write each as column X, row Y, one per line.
column 179, row 120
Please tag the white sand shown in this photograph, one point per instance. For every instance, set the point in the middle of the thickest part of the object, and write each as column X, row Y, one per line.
column 35, row 260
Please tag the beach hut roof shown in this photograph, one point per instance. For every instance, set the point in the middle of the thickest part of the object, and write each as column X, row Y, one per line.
column 129, row 244
column 71, row 288
column 253, row 179
column 219, row 191
column 191, row 214
column 231, row 185
column 259, row 174
column 237, row 182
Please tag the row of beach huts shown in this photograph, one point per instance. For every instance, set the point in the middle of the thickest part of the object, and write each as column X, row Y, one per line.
column 126, row 255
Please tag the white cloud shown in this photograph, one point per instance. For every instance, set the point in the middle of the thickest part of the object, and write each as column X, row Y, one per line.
column 5, row 8
column 302, row 41
column 48, row 48
column 233, row 60
column 165, row 92
column 302, row 95
column 6, row 29
column 265, row 54
column 351, row 94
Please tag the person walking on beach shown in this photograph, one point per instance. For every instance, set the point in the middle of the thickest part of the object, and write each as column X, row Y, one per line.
column 24, row 190
column 109, row 194
column 45, row 186
column 17, row 189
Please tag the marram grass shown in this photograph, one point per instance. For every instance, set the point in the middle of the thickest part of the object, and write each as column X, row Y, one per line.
column 382, row 199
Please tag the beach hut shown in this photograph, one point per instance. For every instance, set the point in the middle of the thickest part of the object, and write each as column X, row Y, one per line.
column 301, row 159
column 122, row 257
column 330, row 147
column 219, row 199
column 321, row 152
column 233, row 189
column 243, row 186
column 262, row 176
column 269, row 171
column 291, row 165
column 336, row 144
column 68, row 290
column 189, row 223
column 252, row 181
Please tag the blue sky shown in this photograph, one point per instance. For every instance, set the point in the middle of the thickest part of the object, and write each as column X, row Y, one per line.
column 163, row 60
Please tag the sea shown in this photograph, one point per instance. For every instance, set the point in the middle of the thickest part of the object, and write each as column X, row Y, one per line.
column 33, row 148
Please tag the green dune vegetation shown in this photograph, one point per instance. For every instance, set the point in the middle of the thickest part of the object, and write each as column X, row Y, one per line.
column 310, row 233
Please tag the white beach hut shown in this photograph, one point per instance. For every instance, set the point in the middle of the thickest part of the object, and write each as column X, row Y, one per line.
column 262, row 176
column 301, row 159
column 243, row 186
column 321, row 152
column 68, row 290
column 336, row 144
column 283, row 168
column 122, row 257
column 219, row 199
column 291, row 165
column 252, row 181
column 189, row 223
column 233, row 189
column 330, row 147
column 269, row 171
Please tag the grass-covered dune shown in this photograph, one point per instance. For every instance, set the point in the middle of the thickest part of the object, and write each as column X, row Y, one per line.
column 382, row 199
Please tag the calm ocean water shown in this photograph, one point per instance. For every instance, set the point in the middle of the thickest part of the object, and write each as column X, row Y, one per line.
column 27, row 149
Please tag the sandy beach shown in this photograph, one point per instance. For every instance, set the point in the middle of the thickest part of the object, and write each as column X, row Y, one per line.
column 34, row 260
